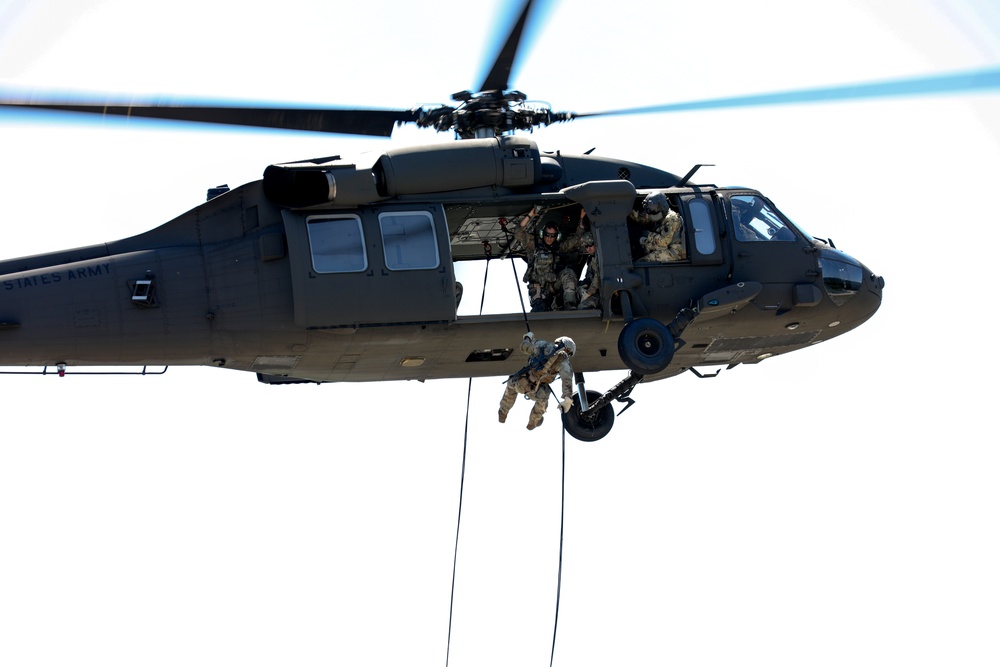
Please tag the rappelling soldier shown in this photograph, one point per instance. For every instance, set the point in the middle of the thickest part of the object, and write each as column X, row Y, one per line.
column 546, row 361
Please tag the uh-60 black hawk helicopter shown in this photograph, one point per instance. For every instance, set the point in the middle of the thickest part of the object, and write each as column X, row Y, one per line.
column 342, row 270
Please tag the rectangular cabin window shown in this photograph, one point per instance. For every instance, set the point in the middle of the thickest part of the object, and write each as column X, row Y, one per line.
column 409, row 241
column 337, row 244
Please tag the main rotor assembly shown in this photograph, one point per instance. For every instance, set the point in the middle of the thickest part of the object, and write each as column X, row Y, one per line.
column 493, row 111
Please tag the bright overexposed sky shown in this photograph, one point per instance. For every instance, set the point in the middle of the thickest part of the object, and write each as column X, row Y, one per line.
column 834, row 506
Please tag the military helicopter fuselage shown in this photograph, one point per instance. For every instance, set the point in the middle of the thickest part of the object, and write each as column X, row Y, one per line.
column 333, row 270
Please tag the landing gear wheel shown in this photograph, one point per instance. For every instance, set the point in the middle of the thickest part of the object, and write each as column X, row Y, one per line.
column 591, row 427
column 646, row 346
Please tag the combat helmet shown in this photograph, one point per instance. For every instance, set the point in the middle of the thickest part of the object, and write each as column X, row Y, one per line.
column 655, row 206
column 567, row 344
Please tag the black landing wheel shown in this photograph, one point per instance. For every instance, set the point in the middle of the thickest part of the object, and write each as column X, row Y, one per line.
column 646, row 346
column 590, row 427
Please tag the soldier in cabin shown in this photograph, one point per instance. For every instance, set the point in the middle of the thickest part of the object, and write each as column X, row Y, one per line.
column 656, row 231
column 589, row 288
column 552, row 275
column 665, row 243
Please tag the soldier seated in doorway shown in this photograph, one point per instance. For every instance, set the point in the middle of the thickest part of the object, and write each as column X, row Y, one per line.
column 657, row 231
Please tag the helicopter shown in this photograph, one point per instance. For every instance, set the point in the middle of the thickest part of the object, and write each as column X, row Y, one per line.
column 343, row 268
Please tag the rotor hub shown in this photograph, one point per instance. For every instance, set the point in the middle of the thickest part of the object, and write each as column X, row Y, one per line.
column 489, row 113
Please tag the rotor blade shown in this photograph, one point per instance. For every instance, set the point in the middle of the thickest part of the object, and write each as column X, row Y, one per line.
column 978, row 80
column 343, row 121
column 499, row 76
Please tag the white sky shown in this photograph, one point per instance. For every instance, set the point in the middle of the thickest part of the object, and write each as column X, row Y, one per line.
column 835, row 506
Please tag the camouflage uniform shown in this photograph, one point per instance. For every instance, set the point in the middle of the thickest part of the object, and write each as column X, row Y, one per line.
column 550, row 272
column 546, row 362
column 664, row 244
column 588, row 289
column 639, row 226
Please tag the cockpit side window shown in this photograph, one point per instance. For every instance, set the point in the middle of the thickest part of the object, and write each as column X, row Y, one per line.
column 755, row 220
column 701, row 222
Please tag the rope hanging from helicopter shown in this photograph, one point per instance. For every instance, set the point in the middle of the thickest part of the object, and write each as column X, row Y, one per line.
column 562, row 497
column 517, row 281
column 461, row 487
column 458, row 526
column 562, row 525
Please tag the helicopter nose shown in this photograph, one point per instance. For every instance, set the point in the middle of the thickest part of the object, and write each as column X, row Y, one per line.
column 875, row 283
column 855, row 289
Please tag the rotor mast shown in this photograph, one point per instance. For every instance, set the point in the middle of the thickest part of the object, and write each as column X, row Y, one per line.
column 496, row 109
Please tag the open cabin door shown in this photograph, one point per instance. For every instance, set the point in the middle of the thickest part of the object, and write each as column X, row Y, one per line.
column 378, row 265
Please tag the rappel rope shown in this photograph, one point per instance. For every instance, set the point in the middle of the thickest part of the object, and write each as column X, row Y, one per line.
column 517, row 281
column 461, row 492
column 461, row 485
column 562, row 525
column 458, row 526
column 562, row 502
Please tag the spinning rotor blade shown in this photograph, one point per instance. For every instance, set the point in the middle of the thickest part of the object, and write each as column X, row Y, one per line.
column 978, row 80
column 499, row 75
column 344, row 121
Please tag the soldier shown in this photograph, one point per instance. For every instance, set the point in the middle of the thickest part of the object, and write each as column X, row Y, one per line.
column 550, row 273
column 658, row 229
column 588, row 291
column 664, row 244
column 546, row 361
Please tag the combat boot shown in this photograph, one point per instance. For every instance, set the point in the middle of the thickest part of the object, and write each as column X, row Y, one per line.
column 503, row 415
column 532, row 424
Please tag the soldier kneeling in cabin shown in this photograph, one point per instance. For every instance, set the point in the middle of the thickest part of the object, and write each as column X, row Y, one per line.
column 547, row 360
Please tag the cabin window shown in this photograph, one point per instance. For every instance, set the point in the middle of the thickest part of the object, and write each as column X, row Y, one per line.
column 701, row 221
column 409, row 241
column 337, row 244
column 755, row 220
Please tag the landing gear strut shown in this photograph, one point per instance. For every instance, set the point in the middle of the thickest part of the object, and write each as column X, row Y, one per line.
column 588, row 424
column 647, row 347
column 592, row 416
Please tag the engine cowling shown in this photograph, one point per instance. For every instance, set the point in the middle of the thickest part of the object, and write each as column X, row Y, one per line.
column 509, row 162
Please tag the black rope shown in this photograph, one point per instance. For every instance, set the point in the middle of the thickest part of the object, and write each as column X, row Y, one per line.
column 486, row 276
column 461, row 486
column 509, row 236
column 458, row 526
column 517, row 281
column 562, row 524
